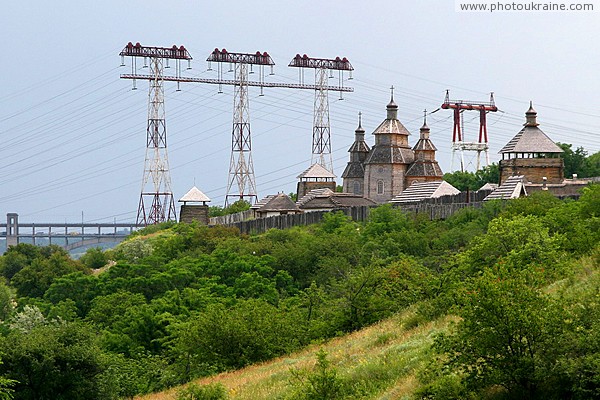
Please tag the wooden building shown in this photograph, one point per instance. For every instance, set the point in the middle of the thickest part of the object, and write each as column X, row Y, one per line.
column 385, row 170
column 532, row 154
column 315, row 177
column 276, row 204
column 195, row 211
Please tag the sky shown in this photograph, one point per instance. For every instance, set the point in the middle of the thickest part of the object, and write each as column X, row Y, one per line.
column 73, row 134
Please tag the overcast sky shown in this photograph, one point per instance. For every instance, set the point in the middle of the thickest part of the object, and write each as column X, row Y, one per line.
column 72, row 132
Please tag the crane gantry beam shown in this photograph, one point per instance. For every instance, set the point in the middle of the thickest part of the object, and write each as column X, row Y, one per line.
column 257, row 58
column 308, row 62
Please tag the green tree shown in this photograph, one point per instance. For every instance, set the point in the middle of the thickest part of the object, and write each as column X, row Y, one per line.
column 593, row 163
column 6, row 387
column 94, row 258
column 590, row 201
column 519, row 242
column 36, row 278
column 6, row 300
column 212, row 391
column 11, row 263
column 465, row 180
column 77, row 287
column 133, row 250
column 575, row 160
column 232, row 337
column 323, row 383
column 505, row 337
column 59, row 361
column 238, row 206
column 580, row 355
column 29, row 318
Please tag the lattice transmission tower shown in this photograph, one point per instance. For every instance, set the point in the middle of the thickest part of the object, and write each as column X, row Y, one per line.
column 156, row 202
column 459, row 144
column 321, row 136
column 241, row 169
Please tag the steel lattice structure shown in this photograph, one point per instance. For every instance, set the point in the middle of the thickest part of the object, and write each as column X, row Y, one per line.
column 458, row 142
column 321, row 138
column 241, row 167
column 241, row 170
column 156, row 202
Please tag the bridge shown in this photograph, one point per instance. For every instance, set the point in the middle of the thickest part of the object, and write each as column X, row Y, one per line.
column 67, row 235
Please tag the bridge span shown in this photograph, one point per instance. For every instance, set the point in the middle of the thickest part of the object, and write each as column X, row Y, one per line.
column 67, row 235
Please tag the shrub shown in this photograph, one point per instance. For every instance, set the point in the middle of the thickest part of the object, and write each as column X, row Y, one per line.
column 213, row 391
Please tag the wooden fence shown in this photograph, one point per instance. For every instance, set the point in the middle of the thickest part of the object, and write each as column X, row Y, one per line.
column 445, row 206
column 439, row 208
column 230, row 219
column 261, row 225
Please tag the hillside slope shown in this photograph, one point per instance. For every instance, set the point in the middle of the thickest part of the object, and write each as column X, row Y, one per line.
column 378, row 362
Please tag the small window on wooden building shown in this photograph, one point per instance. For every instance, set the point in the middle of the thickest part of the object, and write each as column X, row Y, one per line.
column 380, row 187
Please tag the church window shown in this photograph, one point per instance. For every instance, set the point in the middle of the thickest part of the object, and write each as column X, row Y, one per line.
column 380, row 187
column 357, row 187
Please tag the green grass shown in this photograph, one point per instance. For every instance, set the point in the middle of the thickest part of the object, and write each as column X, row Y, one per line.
column 378, row 362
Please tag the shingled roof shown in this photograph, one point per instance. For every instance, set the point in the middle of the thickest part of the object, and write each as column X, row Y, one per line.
column 390, row 152
column 489, row 186
column 354, row 170
column 358, row 153
column 531, row 139
column 386, row 154
column 512, row 188
column 424, row 168
column 316, row 171
column 425, row 190
column 275, row 203
column 327, row 198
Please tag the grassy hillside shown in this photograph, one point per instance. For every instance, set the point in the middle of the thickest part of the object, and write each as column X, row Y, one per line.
column 382, row 361
column 376, row 362
column 178, row 302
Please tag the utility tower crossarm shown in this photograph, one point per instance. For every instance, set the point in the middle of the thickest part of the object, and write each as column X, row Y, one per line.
column 137, row 50
column 469, row 105
column 257, row 58
column 308, row 62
